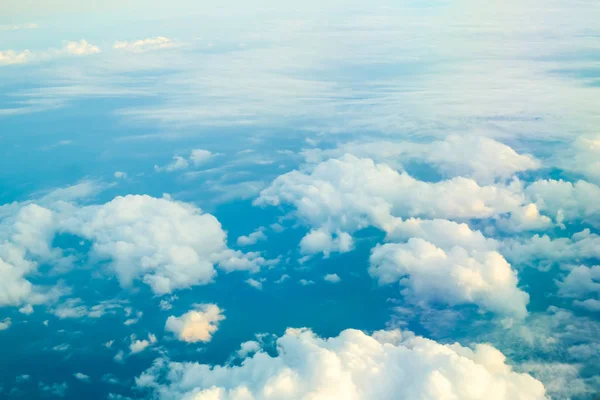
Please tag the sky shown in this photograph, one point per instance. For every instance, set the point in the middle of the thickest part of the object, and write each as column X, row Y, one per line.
column 268, row 200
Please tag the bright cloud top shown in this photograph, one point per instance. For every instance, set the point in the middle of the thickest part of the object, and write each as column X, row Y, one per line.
column 197, row 325
column 144, row 45
column 388, row 365
column 457, row 276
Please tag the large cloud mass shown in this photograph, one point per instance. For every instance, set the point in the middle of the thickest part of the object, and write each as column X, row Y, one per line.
column 196, row 325
column 453, row 277
column 389, row 365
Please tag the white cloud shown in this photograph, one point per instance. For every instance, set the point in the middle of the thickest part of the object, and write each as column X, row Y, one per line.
column 542, row 250
column 120, row 175
column 589, row 304
column 137, row 346
column 197, row 325
column 8, row 57
column 580, row 282
column 341, row 196
column 82, row 377
column 5, row 324
column 306, row 282
column 332, row 278
column 283, row 278
column 26, row 309
column 18, row 27
column 179, row 163
column 200, row 156
column 388, row 365
column 572, row 201
column 457, row 276
column 474, row 156
column 197, row 157
column 56, row 389
column 144, row 45
column 253, row 238
column 254, row 283
column 322, row 241
column 70, row 48
column 583, row 157
column 74, row 308
column 167, row 244
column 248, row 348
column 80, row 48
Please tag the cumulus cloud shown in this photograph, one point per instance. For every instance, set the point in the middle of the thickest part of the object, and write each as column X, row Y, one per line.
column 5, row 324
column 197, row 325
column 571, row 201
column 137, row 346
column 543, row 251
column 167, row 244
column 340, row 196
column 55, row 389
column 481, row 158
column 197, row 157
column 457, row 276
column 200, row 156
column 82, row 377
column 70, row 48
column 583, row 157
column 252, row 238
column 332, row 278
column 580, row 282
column 254, row 283
column 353, row 365
column 144, row 45
column 75, row 308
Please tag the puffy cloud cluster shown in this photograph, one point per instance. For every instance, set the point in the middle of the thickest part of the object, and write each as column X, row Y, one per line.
column 481, row 158
column 569, row 201
column 252, row 238
column 70, row 48
column 457, row 276
column 167, row 244
column 197, row 325
column 196, row 158
column 583, row 156
column 343, row 195
column 387, row 365
column 541, row 250
column 581, row 282
column 144, row 45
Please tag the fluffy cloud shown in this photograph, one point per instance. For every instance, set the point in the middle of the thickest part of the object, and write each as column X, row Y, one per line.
column 569, row 201
column 8, row 57
column 74, row 308
column 144, row 45
column 82, row 377
column 200, row 156
column 580, row 282
column 81, row 48
column 322, row 241
column 5, row 324
column 167, row 244
column 254, row 283
column 483, row 159
column 197, row 157
column 332, row 278
column 583, row 157
column 543, row 251
column 346, row 194
column 70, row 48
column 252, row 238
column 387, row 365
column 137, row 346
column 457, row 276
column 197, row 325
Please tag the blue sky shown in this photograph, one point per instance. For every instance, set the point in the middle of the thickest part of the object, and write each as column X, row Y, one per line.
column 316, row 200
